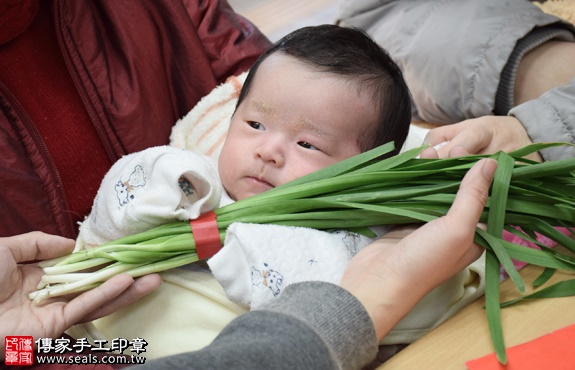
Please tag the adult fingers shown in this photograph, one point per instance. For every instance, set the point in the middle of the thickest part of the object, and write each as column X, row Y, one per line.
column 112, row 295
column 443, row 246
column 472, row 140
column 429, row 153
column 473, row 193
column 441, row 134
column 140, row 288
column 36, row 246
column 458, row 151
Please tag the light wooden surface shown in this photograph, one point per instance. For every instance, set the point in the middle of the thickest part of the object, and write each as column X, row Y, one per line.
column 465, row 336
column 276, row 18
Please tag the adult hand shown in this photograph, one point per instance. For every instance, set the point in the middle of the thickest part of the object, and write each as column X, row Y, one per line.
column 484, row 135
column 21, row 316
column 390, row 276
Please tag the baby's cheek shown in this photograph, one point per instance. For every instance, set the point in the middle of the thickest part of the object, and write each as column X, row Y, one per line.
column 299, row 171
column 227, row 179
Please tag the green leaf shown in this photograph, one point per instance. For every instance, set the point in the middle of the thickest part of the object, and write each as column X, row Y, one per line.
column 536, row 147
column 544, row 277
column 564, row 288
column 492, row 305
column 496, row 218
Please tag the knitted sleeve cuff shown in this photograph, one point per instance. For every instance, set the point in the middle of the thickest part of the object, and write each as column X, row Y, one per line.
column 336, row 315
column 504, row 100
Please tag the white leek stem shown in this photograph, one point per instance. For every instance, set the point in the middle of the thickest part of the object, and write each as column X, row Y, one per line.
column 61, row 278
column 67, row 288
column 63, row 269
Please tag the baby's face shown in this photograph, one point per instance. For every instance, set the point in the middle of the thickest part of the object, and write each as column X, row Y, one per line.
column 293, row 121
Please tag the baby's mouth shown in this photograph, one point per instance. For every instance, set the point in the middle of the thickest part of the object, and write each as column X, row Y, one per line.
column 261, row 182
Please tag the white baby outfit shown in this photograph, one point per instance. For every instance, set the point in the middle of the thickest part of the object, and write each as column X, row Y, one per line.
column 142, row 190
column 259, row 261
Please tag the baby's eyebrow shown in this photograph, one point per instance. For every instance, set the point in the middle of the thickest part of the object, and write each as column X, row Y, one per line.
column 299, row 124
column 264, row 108
column 304, row 123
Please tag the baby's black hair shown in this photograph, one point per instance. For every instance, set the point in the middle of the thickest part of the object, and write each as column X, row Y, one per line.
column 351, row 53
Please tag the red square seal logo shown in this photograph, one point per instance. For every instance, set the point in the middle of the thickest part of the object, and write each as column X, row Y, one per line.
column 19, row 350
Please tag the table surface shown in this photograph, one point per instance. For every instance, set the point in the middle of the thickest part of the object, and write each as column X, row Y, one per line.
column 465, row 336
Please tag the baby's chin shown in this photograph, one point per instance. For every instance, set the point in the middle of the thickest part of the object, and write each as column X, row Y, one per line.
column 248, row 187
column 243, row 194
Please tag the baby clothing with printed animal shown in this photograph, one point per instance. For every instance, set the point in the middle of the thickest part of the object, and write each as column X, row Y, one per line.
column 142, row 190
column 163, row 184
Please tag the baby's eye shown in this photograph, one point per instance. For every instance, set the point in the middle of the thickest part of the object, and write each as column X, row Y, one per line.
column 305, row 144
column 256, row 125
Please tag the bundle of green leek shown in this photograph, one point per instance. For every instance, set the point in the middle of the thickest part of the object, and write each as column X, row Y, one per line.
column 526, row 198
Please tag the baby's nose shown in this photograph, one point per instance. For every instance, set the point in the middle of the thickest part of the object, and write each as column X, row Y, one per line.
column 273, row 151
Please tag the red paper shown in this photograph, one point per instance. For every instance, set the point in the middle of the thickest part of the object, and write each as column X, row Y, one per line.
column 554, row 351
column 206, row 235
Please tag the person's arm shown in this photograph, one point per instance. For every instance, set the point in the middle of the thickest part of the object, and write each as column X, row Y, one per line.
column 543, row 95
column 452, row 53
column 311, row 325
column 460, row 66
column 423, row 259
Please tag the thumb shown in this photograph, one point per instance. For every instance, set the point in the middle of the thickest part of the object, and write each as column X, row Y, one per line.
column 473, row 193
column 36, row 245
column 448, row 240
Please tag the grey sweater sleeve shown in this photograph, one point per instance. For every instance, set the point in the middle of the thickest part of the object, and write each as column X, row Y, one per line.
column 312, row 325
column 551, row 117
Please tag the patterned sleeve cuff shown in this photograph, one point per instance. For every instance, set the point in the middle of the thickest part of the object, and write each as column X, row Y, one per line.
column 504, row 99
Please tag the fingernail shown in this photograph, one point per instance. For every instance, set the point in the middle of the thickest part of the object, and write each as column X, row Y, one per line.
column 489, row 168
column 440, row 145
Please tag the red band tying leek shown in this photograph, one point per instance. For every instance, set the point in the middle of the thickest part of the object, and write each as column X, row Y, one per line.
column 206, row 235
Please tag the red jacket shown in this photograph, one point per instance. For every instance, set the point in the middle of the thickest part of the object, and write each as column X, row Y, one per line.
column 138, row 66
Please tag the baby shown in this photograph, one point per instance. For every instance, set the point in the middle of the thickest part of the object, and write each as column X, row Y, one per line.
column 316, row 97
